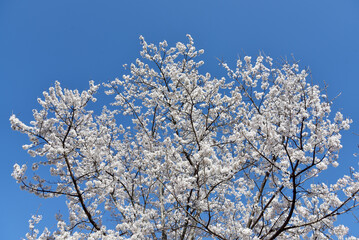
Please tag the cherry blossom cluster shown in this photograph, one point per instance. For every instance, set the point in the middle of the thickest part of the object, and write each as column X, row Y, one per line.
column 179, row 154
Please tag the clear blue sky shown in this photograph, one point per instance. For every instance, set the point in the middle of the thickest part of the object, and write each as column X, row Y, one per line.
column 75, row 41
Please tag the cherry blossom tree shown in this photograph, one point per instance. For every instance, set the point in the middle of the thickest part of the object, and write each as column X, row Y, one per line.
column 183, row 155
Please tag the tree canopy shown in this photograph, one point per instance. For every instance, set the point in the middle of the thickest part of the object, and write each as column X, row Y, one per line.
column 238, row 157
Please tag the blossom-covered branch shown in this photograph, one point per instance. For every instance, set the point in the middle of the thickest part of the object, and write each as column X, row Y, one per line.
column 182, row 155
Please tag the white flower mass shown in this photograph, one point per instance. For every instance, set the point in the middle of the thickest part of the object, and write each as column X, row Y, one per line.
column 238, row 157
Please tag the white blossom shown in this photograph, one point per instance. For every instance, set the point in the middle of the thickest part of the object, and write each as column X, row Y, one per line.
column 180, row 154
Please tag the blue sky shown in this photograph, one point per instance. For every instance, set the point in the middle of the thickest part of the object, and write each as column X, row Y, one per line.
column 75, row 41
